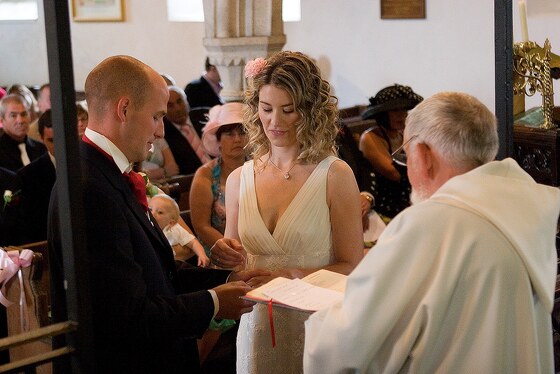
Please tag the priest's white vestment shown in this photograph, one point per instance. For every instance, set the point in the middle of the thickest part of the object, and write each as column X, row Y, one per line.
column 460, row 283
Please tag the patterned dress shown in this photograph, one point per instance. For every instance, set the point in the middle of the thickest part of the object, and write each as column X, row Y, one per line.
column 390, row 197
column 218, row 215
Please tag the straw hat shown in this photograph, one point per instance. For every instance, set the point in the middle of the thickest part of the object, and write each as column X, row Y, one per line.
column 395, row 97
column 220, row 115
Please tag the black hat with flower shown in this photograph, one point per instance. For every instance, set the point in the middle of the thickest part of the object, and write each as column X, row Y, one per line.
column 395, row 97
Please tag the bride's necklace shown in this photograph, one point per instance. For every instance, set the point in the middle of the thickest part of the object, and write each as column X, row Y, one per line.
column 286, row 174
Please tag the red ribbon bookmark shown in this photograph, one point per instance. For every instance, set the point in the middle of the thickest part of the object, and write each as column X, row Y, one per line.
column 271, row 323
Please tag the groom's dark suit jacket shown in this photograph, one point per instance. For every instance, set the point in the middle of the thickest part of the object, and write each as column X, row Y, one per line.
column 143, row 321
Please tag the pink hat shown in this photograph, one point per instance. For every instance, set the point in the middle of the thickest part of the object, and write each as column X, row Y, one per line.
column 220, row 115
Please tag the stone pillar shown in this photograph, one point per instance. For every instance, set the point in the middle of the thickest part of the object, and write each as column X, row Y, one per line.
column 238, row 31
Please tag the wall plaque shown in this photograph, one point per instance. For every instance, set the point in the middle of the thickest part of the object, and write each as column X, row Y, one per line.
column 394, row 9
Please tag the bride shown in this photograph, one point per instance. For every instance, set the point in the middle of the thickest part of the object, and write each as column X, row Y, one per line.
column 295, row 207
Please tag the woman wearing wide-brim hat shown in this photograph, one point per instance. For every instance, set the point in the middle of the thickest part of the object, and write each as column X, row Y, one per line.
column 389, row 108
column 223, row 137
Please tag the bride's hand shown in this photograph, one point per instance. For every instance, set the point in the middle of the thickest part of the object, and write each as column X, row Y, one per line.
column 227, row 253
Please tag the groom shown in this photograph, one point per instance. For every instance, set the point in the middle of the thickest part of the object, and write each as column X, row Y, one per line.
column 146, row 314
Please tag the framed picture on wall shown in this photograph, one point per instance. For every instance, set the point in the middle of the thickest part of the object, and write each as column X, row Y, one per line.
column 97, row 10
column 394, row 9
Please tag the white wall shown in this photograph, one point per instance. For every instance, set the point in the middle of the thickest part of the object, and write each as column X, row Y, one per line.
column 359, row 53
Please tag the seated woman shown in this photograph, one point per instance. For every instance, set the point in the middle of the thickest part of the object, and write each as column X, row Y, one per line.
column 389, row 108
column 160, row 163
column 223, row 137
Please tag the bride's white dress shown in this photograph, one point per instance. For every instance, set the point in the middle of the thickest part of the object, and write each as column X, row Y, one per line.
column 301, row 239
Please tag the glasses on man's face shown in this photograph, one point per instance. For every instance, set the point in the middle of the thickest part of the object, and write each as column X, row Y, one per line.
column 398, row 156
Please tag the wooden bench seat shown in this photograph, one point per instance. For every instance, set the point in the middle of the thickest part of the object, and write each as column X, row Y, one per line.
column 36, row 288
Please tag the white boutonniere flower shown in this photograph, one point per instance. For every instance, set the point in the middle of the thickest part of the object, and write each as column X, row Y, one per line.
column 11, row 198
column 151, row 190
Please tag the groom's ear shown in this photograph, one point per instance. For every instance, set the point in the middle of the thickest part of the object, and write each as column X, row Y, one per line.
column 123, row 106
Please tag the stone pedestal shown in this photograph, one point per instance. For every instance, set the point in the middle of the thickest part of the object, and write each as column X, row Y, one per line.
column 238, row 31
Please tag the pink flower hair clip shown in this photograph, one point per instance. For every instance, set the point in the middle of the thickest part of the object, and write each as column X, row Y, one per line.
column 254, row 67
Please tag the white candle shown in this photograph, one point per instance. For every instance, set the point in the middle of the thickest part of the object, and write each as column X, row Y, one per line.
column 523, row 18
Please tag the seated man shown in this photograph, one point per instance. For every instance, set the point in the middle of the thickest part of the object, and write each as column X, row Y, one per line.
column 461, row 282
column 183, row 140
column 205, row 91
column 16, row 148
column 35, row 182
column 43, row 104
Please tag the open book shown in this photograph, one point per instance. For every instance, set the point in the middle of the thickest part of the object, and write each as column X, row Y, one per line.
column 317, row 291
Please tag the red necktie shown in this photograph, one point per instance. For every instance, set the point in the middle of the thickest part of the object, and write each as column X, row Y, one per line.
column 135, row 181
column 138, row 186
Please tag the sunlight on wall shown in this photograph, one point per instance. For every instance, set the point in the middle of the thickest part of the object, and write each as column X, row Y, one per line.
column 192, row 11
column 23, row 10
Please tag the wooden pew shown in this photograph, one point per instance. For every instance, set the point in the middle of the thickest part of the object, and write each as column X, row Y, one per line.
column 351, row 112
column 177, row 187
column 352, row 118
column 36, row 287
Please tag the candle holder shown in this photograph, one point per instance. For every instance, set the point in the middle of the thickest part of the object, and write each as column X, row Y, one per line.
column 532, row 64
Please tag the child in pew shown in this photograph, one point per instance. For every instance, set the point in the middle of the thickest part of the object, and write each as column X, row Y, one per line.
column 166, row 212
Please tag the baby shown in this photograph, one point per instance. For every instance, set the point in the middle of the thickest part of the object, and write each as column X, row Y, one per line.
column 166, row 212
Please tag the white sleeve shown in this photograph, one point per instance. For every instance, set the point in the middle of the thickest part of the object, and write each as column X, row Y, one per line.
column 359, row 333
column 185, row 236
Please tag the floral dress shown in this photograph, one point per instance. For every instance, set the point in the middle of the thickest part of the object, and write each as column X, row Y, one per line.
column 218, row 215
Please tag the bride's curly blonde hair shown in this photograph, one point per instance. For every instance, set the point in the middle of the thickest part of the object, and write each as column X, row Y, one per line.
column 298, row 75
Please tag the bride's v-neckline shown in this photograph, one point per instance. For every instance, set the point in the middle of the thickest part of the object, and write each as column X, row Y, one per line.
column 286, row 212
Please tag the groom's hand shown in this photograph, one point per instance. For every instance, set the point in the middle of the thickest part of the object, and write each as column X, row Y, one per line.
column 232, row 306
column 246, row 275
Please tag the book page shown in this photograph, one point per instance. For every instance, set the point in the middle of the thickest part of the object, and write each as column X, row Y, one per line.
column 258, row 293
column 314, row 292
column 302, row 295
column 327, row 279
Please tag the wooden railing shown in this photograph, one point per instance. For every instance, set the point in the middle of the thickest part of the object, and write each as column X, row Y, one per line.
column 28, row 364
